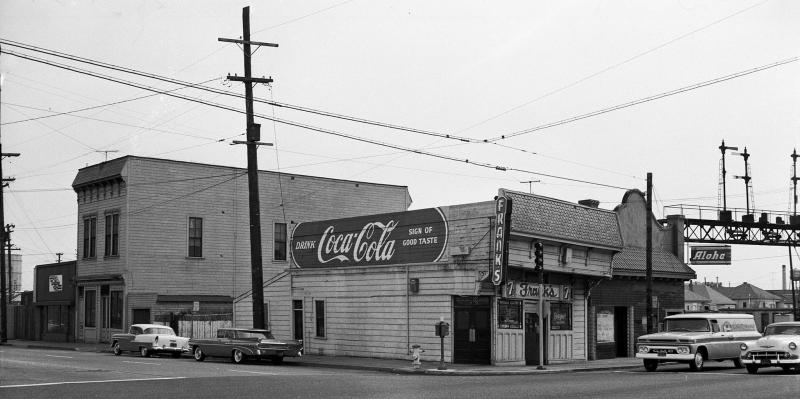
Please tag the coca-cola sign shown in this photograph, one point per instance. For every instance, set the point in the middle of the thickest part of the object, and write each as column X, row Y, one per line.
column 386, row 239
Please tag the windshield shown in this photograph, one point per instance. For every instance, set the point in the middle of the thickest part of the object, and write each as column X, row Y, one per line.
column 159, row 330
column 687, row 325
column 782, row 330
column 255, row 335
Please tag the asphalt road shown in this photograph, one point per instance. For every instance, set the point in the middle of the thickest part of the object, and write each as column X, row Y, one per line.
column 32, row 373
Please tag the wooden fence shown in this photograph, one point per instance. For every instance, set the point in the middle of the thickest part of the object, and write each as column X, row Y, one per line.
column 202, row 325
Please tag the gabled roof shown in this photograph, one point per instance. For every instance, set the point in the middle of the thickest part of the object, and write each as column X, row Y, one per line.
column 691, row 296
column 749, row 292
column 715, row 296
column 633, row 261
column 558, row 220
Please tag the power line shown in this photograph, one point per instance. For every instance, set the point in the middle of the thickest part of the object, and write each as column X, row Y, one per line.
column 647, row 99
column 301, row 125
column 232, row 94
column 614, row 66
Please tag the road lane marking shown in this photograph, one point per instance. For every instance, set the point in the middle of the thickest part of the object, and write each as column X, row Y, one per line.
column 129, row 361
column 68, row 357
column 89, row 382
column 252, row 372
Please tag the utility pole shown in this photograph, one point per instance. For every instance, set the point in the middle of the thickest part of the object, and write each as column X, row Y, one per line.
column 649, row 254
column 793, row 220
column 794, row 179
column 253, row 137
column 3, row 283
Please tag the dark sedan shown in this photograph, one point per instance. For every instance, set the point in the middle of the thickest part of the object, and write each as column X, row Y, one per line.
column 241, row 344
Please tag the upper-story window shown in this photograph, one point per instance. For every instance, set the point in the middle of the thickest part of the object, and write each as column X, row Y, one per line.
column 280, row 241
column 195, row 237
column 89, row 237
column 112, row 235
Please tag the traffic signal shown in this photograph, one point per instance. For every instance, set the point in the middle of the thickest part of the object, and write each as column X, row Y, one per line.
column 538, row 256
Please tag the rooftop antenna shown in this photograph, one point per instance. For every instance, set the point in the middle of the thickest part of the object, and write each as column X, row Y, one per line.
column 530, row 184
column 106, row 153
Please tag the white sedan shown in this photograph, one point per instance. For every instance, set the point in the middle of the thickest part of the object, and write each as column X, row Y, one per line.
column 148, row 339
column 779, row 347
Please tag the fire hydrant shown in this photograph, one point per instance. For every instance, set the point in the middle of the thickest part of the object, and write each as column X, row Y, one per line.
column 416, row 350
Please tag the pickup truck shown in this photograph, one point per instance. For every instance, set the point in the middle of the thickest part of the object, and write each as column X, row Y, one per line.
column 241, row 344
column 696, row 338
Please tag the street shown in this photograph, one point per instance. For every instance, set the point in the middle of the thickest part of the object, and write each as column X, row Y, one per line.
column 33, row 373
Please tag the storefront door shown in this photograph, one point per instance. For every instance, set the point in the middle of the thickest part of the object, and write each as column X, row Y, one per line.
column 532, row 340
column 621, row 330
column 471, row 330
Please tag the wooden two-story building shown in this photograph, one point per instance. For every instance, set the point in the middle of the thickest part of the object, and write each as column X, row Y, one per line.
column 159, row 238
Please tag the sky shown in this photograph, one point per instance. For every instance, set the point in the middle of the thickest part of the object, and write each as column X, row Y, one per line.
column 583, row 97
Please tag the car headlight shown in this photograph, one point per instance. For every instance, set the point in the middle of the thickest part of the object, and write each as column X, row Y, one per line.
column 743, row 346
column 643, row 349
column 792, row 345
column 683, row 349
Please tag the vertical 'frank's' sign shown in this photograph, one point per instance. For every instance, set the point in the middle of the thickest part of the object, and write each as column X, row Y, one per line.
column 501, row 232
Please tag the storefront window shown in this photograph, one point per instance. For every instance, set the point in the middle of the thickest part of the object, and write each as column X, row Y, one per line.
column 90, row 307
column 509, row 313
column 116, row 309
column 560, row 316
column 57, row 319
column 319, row 313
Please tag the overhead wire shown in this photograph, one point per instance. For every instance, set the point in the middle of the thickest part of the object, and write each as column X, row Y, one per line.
column 646, row 99
column 614, row 66
column 298, row 124
column 229, row 93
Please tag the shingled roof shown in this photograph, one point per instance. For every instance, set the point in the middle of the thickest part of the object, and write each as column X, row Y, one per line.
column 749, row 292
column 564, row 221
column 633, row 262
column 716, row 297
column 691, row 296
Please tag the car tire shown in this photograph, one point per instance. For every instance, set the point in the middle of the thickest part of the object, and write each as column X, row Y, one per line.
column 144, row 352
column 737, row 363
column 237, row 356
column 199, row 355
column 696, row 364
column 117, row 349
column 650, row 364
column 751, row 368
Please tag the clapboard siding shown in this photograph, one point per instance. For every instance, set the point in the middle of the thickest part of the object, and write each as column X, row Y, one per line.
column 158, row 197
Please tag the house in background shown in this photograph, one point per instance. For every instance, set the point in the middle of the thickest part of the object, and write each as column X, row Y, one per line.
column 748, row 296
column 695, row 302
column 717, row 301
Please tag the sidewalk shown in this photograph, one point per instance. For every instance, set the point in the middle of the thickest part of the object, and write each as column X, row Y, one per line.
column 386, row 365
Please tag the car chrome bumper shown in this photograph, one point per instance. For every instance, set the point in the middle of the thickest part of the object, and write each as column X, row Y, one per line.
column 669, row 357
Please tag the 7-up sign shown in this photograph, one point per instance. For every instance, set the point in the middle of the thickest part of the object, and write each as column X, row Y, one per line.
column 710, row 255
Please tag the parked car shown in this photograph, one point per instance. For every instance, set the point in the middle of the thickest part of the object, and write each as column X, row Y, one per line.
column 779, row 347
column 241, row 344
column 149, row 339
column 696, row 338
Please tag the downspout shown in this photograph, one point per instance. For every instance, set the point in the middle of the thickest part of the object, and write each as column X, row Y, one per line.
column 408, row 314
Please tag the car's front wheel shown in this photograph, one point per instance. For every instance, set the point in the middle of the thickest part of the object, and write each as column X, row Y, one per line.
column 650, row 364
column 696, row 364
column 751, row 368
column 144, row 351
column 238, row 356
column 737, row 363
column 117, row 349
column 199, row 355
